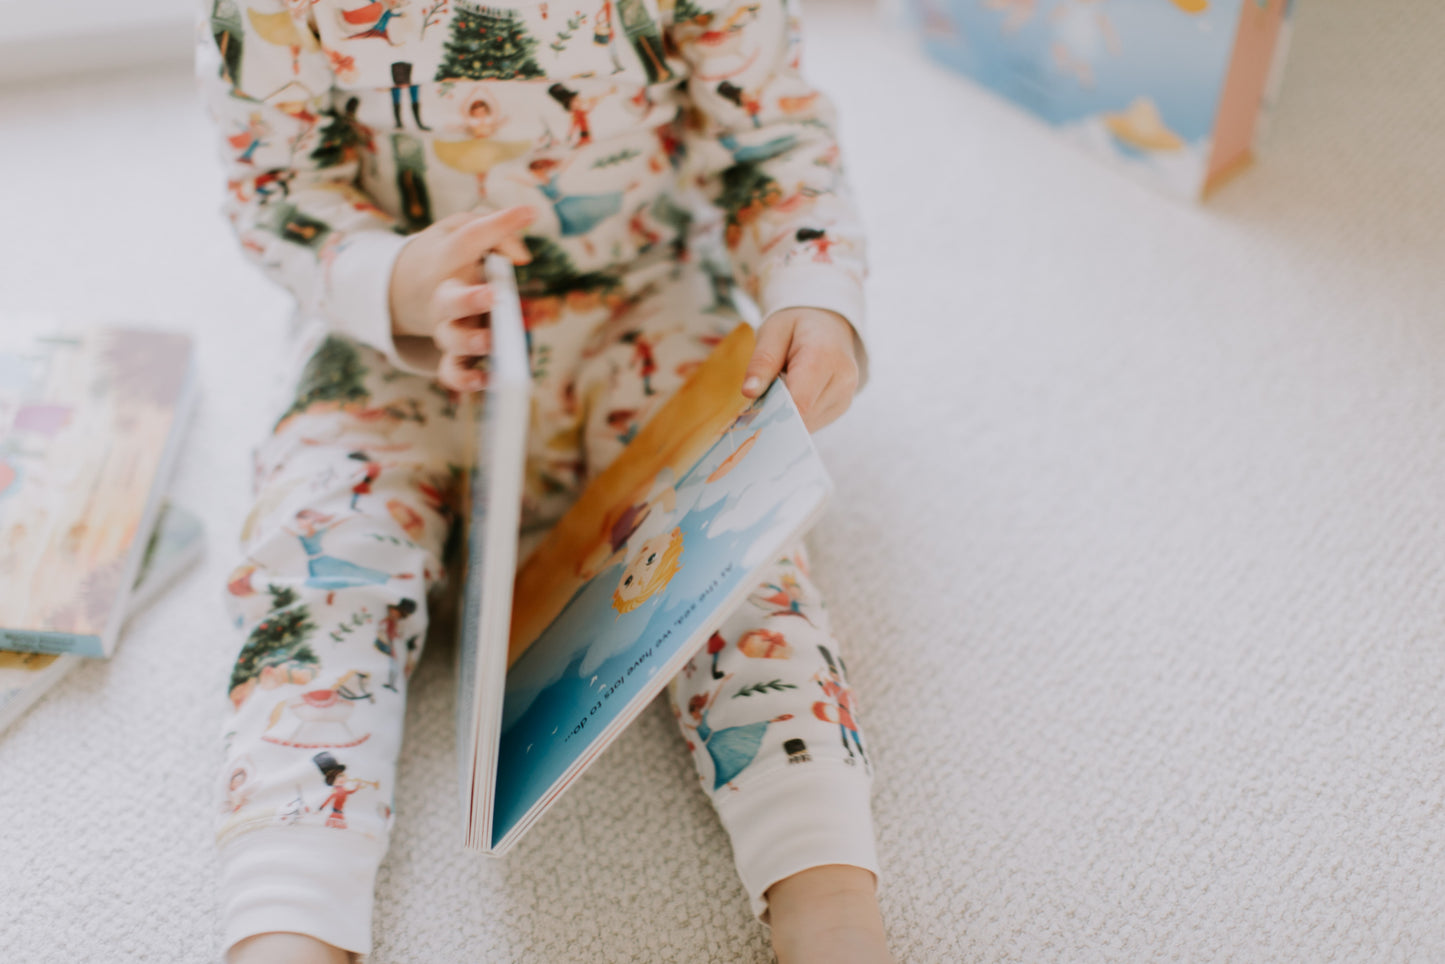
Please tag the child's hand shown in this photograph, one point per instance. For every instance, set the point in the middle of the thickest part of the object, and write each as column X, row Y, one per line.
column 437, row 290
column 813, row 347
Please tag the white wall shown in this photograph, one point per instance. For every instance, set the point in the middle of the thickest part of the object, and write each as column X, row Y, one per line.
column 39, row 40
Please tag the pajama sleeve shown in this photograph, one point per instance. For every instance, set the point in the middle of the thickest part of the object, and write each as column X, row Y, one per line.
column 762, row 142
column 292, row 160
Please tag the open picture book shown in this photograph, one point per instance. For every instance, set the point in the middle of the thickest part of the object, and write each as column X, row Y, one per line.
column 558, row 655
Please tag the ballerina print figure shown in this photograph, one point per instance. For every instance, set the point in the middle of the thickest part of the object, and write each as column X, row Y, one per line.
column 577, row 214
column 329, row 572
column 478, row 150
column 782, row 598
column 731, row 748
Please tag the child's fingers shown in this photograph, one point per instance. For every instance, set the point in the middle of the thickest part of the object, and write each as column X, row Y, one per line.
column 456, row 372
column 456, row 300
column 462, row 336
column 769, row 355
column 471, row 242
column 515, row 250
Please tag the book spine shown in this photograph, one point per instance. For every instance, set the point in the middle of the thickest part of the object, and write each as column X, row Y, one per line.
column 33, row 641
column 180, row 419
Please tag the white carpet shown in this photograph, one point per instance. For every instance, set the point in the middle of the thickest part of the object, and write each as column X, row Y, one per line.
column 1138, row 552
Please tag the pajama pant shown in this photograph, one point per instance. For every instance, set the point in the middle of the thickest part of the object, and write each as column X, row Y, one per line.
column 357, row 495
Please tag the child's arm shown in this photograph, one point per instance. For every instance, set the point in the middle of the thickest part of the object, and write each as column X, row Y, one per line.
column 292, row 149
column 768, row 152
column 292, row 156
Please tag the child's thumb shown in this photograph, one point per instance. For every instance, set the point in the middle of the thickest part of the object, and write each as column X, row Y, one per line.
column 769, row 355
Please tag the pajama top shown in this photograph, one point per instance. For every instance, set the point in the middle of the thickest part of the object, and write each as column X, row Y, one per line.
column 347, row 125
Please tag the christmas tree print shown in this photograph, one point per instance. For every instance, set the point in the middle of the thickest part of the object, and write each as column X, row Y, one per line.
column 762, row 689
column 685, row 11
column 646, row 39
column 226, row 29
column 551, row 272
column 278, row 642
column 333, row 374
column 487, row 44
column 410, row 158
column 746, row 192
column 339, row 142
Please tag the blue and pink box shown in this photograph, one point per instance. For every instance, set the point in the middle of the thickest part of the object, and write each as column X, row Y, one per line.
column 1176, row 91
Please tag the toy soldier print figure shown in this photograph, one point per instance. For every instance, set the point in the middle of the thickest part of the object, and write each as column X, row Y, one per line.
column 401, row 77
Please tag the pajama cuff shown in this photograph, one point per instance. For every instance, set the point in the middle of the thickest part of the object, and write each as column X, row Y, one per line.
column 820, row 286
column 316, row 881
column 808, row 815
column 359, row 300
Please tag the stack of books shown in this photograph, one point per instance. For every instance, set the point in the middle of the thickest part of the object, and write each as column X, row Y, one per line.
column 90, row 426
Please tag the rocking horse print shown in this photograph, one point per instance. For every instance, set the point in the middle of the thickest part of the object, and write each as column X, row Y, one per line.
column 321, row 715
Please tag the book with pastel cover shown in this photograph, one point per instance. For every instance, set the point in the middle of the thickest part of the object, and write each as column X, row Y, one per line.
column 89, row 428
column 177, row 541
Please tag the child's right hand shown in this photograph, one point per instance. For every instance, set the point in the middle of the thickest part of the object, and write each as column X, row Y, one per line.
column 437, row 290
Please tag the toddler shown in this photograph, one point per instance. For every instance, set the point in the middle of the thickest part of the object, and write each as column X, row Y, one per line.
column 635, row 159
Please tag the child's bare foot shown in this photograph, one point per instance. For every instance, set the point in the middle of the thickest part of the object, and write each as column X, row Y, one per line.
column 285, row 949
column 827, row 915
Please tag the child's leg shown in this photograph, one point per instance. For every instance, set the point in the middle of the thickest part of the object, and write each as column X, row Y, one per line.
column 775, row 738
column 772, row 724
column 353, row 506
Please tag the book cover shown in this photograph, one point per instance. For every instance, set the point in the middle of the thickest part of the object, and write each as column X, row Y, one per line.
column 658, row 549
column 176, row 542
column 89, row 428
column 1171, row 91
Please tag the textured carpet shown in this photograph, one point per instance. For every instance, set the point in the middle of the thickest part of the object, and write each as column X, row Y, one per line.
column 1137, row 551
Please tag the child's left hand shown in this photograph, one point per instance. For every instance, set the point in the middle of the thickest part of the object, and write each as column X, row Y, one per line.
column 813, row 347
